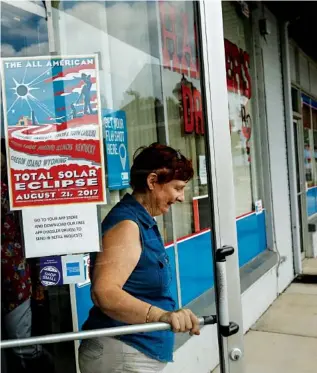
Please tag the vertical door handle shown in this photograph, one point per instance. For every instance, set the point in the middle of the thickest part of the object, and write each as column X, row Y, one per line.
column 227, row 327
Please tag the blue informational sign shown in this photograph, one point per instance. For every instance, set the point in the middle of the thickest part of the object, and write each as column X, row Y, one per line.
column 116, row 146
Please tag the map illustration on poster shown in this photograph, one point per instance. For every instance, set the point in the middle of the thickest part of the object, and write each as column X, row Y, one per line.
column 53, row 130
column 116, row 144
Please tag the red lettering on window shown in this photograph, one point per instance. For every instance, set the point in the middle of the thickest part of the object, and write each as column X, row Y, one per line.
column 184, row 61
column 187, row 100
column 169, row 38
column 246, row 65
column 229, row 65
column 197, row 75
column 187, row 57
column 198, row 113
column 237, row 69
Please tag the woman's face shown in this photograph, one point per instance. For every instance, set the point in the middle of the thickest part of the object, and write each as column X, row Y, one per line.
column 163, row 196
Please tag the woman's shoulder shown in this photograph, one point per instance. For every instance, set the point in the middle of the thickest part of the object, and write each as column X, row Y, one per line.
column 117, row 214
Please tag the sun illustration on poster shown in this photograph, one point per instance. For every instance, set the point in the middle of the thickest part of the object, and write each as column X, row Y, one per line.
column 23, row 93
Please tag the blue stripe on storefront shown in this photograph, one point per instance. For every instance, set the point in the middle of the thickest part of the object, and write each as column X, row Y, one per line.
column 195, row 258
column 309, row 101
column 195, row 261
column 251, row 232
column 311, row 199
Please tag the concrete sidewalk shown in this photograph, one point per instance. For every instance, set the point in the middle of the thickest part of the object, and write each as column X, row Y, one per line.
column 310, row 267
column 285, row 337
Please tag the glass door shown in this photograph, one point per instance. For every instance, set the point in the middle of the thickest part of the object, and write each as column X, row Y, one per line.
column 162, row 72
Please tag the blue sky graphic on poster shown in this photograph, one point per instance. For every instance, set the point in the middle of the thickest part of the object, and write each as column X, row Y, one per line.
column 116, row 147
column 49, row 91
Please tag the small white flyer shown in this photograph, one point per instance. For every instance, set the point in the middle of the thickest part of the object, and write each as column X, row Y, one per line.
column 202, row 170
column 59, row 230
column 258, row 207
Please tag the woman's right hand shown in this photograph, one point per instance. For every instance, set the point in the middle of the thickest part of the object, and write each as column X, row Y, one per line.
column 181, row 321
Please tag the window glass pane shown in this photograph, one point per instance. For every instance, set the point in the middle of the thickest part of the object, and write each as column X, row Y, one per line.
column 308, row 157
column 314, row 124
column 184, row 117
column 182, row 94
column 243, row 109
column 314, row 119
column 306, row 116
column 22, row 33
column 240, row 107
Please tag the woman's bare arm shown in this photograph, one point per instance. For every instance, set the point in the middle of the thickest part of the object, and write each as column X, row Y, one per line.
column 120, row 255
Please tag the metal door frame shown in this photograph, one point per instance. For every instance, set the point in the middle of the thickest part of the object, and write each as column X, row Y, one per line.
column 302, row 193
column 219, row 163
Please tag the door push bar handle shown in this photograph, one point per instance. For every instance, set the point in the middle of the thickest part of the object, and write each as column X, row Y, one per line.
column 108, row 332
column 208, row 320
column 221, row 254
column 228, row 330
column 226, row 327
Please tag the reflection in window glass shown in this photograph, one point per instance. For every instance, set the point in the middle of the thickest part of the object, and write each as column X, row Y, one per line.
column 22, row 33
column 308, row 157
column 240, row 107
column 149, row 68
column 308, row 145
column 306, row 116
column 314, row 124
column 134, row 80
column 182, row 95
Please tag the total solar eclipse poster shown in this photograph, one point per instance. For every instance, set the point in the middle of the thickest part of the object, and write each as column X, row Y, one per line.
column 53, row 125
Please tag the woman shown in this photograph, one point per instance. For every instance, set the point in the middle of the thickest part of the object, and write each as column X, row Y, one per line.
column 131, row 276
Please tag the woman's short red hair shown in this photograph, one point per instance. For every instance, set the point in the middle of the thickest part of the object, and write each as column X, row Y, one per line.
column 169, row 164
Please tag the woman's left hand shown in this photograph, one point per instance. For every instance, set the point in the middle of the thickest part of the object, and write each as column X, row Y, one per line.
column 181, row 321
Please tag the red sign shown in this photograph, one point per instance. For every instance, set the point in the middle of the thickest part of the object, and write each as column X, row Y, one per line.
column 181, row 57
column 178, row 54
column 237, row 69
column 46, row 175
column 192, row 111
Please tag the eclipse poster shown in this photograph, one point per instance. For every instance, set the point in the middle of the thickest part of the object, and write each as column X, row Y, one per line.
column 53, row 130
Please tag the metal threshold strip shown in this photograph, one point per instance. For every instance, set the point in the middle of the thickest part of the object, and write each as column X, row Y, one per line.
column 109, row 332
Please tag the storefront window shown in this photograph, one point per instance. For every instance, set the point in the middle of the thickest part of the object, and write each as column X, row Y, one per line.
column 314, row 124
column 22, row 33
column 308, row 145
column 249, row 207
column 150, row 81
column 240, row 96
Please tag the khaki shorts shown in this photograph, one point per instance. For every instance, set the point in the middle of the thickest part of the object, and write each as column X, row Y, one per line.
column 109, row 355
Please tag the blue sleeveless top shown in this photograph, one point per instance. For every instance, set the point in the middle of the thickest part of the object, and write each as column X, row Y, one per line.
column 149, row 282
